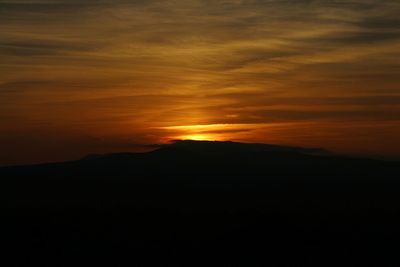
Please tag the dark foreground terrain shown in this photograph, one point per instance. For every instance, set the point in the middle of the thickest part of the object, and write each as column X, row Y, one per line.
column 203, row 204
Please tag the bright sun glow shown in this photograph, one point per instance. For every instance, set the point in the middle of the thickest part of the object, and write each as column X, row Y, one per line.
column 212, row 132
column 198, row 132
column 197, row 137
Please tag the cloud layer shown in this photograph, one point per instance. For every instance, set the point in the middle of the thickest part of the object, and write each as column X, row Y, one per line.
column 317, row 73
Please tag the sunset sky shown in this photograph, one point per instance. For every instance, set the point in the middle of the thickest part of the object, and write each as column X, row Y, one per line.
column 97, row 76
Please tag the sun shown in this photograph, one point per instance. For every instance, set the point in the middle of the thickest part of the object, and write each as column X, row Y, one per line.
column 197, row 137
column 199, row 132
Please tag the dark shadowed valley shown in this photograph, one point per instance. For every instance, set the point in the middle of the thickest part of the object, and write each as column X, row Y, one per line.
column 199, row 203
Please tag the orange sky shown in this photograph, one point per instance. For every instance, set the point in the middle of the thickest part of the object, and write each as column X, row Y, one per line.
column 79, row 77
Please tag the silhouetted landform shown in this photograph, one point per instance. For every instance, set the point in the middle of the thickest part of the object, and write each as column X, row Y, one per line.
column 196, row 203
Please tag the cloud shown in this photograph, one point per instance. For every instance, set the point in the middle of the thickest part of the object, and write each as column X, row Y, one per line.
column 113, row 68
column 40, row 48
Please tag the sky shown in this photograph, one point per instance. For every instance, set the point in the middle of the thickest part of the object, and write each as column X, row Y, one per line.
column 98, row 76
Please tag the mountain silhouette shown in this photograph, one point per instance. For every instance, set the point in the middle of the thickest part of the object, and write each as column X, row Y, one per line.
column 203, row 203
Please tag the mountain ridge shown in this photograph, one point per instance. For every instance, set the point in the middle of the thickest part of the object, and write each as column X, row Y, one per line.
column 213, row 148
column 195, row 203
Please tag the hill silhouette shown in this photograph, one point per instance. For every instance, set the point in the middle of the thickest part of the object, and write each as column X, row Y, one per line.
column 201, row 203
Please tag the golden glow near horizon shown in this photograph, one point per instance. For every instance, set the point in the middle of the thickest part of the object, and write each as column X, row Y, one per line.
column 79, row 77
column 211, row 132
column 198, row 137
